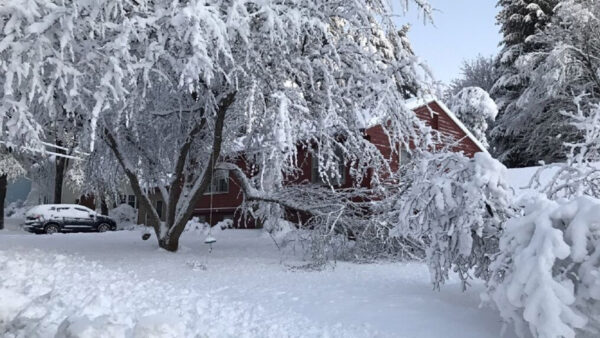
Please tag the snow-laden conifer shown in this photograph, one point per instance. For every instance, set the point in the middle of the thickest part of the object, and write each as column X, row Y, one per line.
column 476, row 109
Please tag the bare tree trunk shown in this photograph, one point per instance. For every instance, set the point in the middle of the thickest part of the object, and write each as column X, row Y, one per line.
column 177, row 226
column 103, row 206
column 59, row 175
column 3, row 186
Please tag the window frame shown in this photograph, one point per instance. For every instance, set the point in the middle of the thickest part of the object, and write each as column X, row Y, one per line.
column 216, row 181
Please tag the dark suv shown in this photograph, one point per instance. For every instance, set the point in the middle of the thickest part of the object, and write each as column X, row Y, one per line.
column 53, row 218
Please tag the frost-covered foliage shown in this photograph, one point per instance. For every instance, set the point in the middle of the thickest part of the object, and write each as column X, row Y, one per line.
column 480, row 72
column 10, row 167
column 456, row 205
column 580, row 174
column 567, row 66
column 513, row 135
column 562, row 64
column 475, row 108
column 169, row 87
column 547, row 275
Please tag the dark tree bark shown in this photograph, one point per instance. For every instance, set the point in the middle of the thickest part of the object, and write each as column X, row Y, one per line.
column 103, row 206
column 3, row 186
column 61, row 164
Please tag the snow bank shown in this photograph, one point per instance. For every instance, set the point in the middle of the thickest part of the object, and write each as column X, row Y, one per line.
column 53, row 295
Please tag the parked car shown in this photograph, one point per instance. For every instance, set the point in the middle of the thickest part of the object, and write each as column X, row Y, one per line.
column 53, row 218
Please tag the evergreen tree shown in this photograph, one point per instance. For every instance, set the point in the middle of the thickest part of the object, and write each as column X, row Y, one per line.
column 513, row 140
column 474, row 107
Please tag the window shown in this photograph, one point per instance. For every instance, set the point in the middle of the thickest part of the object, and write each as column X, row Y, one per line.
column 131, row 200
column 128, row 199
column 334, row 175
column 404, row 157
column 80, row 213
column 159, row 209
column 220, row 183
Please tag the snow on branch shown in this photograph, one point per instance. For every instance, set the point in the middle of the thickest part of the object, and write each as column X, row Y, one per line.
column 458, row 205
column 546, row 277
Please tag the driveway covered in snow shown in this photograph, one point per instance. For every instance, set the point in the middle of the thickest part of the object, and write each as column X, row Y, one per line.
column 116, row 285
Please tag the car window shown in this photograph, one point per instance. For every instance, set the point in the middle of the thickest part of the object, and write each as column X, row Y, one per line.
column 79, row 212
column 62, row 211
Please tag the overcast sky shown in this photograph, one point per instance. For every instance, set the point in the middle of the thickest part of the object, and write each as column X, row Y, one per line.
column 462, row 29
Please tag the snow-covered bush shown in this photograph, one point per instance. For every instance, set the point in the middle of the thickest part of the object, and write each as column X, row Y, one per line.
column 547, row 275
column 475, row 108
column 15, row 209
column 123, row 213
column 194, row 225
column 456, row 206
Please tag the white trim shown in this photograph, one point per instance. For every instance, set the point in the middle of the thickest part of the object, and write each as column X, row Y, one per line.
column 415, row 103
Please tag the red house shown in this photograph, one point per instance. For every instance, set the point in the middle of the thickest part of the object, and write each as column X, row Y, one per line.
column 226, row 196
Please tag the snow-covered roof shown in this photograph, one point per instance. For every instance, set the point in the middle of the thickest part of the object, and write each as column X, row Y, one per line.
column 418, row 102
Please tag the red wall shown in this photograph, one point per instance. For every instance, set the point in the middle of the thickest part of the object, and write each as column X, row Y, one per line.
column 442, row 122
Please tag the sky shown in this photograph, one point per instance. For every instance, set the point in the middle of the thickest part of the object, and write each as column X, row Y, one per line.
column 462, row 29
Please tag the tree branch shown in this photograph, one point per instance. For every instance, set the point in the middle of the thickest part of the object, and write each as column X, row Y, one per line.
column 202, row 183
column 176, row 187
column 133, row 181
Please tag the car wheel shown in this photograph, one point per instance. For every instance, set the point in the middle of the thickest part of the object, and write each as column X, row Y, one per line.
column 103, row 227
column 52, row 229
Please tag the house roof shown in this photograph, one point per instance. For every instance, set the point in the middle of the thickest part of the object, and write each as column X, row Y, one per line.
column 426, row 100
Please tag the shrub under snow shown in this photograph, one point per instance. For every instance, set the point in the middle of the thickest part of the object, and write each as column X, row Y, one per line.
column 547, row 275
column 125, row 215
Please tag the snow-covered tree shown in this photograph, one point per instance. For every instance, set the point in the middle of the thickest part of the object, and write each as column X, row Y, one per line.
column 172, row 88
column 567, row 67
column 480, row 72
column 457, row 206
column 512, row 136
column 547, row 275
column 10, row 169
column 580, row 174
column 476, row 109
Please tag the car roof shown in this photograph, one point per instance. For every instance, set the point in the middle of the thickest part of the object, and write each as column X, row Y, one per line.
column 48, row 206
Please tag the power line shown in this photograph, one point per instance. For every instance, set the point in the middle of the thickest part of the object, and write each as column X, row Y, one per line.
column 49, row 152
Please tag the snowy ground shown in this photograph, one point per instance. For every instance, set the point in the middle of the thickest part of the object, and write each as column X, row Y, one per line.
column 116, row 285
